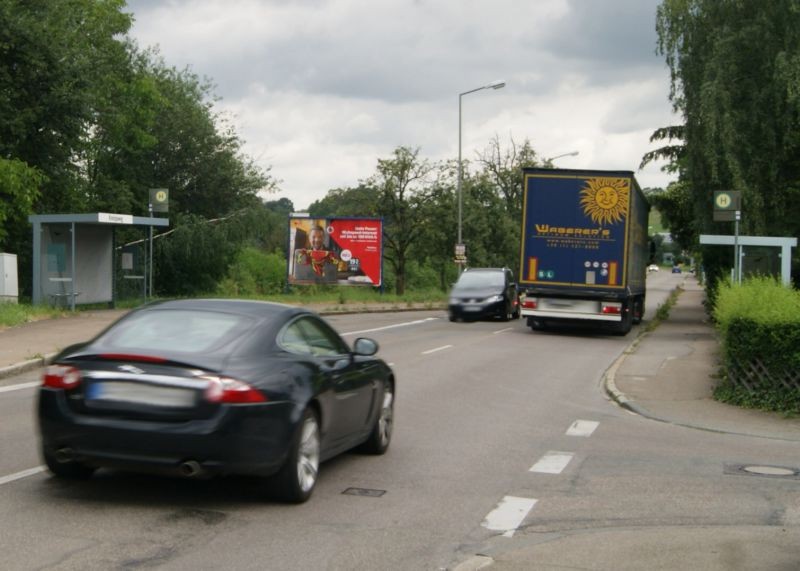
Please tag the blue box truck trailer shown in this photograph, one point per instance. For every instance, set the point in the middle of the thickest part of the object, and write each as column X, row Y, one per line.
column 584, row 249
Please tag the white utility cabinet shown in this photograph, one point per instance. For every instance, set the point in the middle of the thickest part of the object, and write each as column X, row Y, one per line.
column 9, row 285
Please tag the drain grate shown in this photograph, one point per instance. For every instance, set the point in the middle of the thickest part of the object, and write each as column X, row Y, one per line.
column 782, row 472
column 366, row 492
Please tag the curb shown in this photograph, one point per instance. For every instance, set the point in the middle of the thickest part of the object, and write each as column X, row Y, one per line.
column 26, row 366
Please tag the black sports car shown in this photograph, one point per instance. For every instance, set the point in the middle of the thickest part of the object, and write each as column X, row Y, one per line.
column 214, row 387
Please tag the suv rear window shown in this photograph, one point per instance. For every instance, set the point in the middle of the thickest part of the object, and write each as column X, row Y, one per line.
column 481, row 279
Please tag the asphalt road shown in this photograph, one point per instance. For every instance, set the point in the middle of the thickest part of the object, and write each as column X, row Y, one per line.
column 505, row 445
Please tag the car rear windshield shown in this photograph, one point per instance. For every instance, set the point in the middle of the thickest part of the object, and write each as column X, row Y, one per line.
column 185, row 331
column 481, row 279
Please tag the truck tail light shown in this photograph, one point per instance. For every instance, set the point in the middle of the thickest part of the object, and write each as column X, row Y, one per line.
column 61, row 377
column 530, row 303
column 611, row 309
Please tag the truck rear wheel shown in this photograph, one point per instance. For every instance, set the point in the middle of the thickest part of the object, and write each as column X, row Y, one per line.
column 638, row 310
column 536, row 324
column 624, row 326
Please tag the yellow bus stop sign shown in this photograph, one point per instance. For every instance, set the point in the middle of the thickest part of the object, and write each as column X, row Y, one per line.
column 159, row 199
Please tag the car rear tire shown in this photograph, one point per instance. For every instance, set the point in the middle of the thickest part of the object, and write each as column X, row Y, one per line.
column 297, row 478
column 381, row 435
column 66, row 470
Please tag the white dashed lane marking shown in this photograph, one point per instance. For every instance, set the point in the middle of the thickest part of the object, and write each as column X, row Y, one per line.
column 442, row 348
column 508, row 515
column 582, row 428
column 20, row 387
column 552, row 463
column 20, row 475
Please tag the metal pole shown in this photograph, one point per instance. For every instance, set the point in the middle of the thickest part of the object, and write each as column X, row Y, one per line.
column 737, row 276
column 72, row 269
column 459, row 169
column 150, row 208
column 459, row 191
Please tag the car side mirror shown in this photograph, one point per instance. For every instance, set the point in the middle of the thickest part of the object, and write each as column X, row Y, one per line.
column 365, row 346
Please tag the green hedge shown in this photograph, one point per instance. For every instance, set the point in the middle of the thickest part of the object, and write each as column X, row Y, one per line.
column 759, row 326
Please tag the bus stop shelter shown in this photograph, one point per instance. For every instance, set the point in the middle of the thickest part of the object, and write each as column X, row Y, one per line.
column 73, row 256
column 784, row 256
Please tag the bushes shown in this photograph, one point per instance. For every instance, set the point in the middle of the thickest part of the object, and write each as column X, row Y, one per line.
column 254, row 273
column 759, row 325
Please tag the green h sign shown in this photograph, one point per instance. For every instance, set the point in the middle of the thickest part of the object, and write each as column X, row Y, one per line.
column 726, row 204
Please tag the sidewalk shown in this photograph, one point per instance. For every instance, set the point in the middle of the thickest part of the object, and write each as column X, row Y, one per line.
column 669, row 375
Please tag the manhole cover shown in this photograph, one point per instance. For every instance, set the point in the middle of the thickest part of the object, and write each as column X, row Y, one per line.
column 769, row 470
column 760, row 470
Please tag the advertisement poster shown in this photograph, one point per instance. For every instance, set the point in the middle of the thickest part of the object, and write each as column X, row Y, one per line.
column 337, row 251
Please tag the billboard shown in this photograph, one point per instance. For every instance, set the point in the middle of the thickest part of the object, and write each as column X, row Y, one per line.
column 337, row 251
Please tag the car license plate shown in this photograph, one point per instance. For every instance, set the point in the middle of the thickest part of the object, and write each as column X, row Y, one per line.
column 472, row 308
column 141, row 393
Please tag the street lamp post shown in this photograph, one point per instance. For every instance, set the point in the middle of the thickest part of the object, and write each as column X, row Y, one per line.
column 570, row 154
column 493, row 85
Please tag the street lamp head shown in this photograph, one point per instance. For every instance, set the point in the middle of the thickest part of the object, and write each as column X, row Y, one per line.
column 497, row 84
column 570, row 154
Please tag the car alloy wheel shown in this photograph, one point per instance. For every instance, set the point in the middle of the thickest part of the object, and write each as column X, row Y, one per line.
column 386, row 419
column 381, row 434
column 308, row 454
column 296, row 480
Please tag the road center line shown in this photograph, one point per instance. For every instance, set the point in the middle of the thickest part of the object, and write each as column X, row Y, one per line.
column 552, row 463
column 508, row 514
column 442, row 348
column 19, row 387
column 406, row 324
column 582, row 428
column 20, row 475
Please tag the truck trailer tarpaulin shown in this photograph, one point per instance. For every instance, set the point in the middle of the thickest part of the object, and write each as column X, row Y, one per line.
column 584, row 242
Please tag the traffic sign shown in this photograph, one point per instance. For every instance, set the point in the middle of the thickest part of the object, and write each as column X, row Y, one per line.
column 727, row 203
column 159, row 199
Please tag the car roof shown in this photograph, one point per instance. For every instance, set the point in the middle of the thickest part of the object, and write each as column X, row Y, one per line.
column 253, row 308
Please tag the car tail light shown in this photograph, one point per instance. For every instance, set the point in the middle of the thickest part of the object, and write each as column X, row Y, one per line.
column 530, row 304
column 611, row 308
column 61, row 377
column 231, row 391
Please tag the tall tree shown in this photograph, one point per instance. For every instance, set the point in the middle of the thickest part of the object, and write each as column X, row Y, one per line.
column 503, row 167
column 53, row 56
column 735, row 68
column 402, row 185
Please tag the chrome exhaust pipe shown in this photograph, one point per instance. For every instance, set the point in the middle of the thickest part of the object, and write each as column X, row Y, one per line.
column 64, row 455
column 191, row 469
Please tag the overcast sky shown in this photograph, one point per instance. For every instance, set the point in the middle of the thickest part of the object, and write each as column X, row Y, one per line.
column 321, row 89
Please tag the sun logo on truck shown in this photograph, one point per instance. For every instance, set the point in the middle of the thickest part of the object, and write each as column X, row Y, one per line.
column 605, row 200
